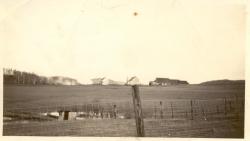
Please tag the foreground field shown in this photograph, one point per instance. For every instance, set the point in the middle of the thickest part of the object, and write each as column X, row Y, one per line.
column 230, row 128
column 217, row 111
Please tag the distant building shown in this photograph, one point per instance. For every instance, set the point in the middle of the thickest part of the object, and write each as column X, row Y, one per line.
column 67, row 115
column 166, row 81
column 133, row 81
column 59, row 80
column 105, row 81
column 153, row 83
column 97, row 81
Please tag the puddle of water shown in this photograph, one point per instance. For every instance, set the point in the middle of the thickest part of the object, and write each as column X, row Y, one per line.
column 55, row 114
column 65, row 116
column 80, row 115
column 43, row 114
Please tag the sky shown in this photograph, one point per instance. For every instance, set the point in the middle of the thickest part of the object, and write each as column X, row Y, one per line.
column 195, row 40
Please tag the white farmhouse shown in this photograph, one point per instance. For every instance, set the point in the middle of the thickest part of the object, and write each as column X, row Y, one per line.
column 107, row 81
column 60, row 80
column 133, row 81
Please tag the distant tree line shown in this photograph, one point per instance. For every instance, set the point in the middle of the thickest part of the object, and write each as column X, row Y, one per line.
column 12, row 76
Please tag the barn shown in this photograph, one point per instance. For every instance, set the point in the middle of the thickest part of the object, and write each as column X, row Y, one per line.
column 167, row 81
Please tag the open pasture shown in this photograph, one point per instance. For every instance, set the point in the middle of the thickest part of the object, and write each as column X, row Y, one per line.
column 216, row 111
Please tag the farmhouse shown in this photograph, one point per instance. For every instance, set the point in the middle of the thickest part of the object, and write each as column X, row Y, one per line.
column 97, row 81
column 105, row 81
column 133, row 81
column 166, row 81
column 59, row 80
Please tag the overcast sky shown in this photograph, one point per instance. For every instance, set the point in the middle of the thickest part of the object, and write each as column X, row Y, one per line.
column 194, row 40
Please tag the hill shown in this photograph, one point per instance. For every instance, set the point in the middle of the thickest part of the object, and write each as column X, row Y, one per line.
column 224, row 82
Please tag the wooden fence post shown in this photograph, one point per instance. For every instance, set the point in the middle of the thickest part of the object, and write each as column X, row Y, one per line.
column 217, row 109
column 161, row 112
column 236, row 99
column 230, row 106
column 138, row 111
column 242, row 104
column 155, row 110
column 172, row 110
column 203, row 112
column 191, row 104
column 225, row 104
column 236, row 107
column 102, row 109
column 114, row 111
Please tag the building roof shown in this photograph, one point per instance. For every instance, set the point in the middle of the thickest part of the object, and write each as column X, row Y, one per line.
column 167, row 80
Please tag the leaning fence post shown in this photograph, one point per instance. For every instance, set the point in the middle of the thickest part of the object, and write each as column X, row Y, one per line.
column 138, row 111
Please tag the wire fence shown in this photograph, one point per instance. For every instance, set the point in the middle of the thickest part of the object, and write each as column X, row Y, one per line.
column 193, row 109
column 174, row 118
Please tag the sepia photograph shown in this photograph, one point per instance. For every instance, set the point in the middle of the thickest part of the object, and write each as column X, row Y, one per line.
column 123, row 68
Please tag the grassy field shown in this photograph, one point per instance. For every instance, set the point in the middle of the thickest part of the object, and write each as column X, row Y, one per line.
column 210, row 119
column 126, row 128
column 36, row 96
